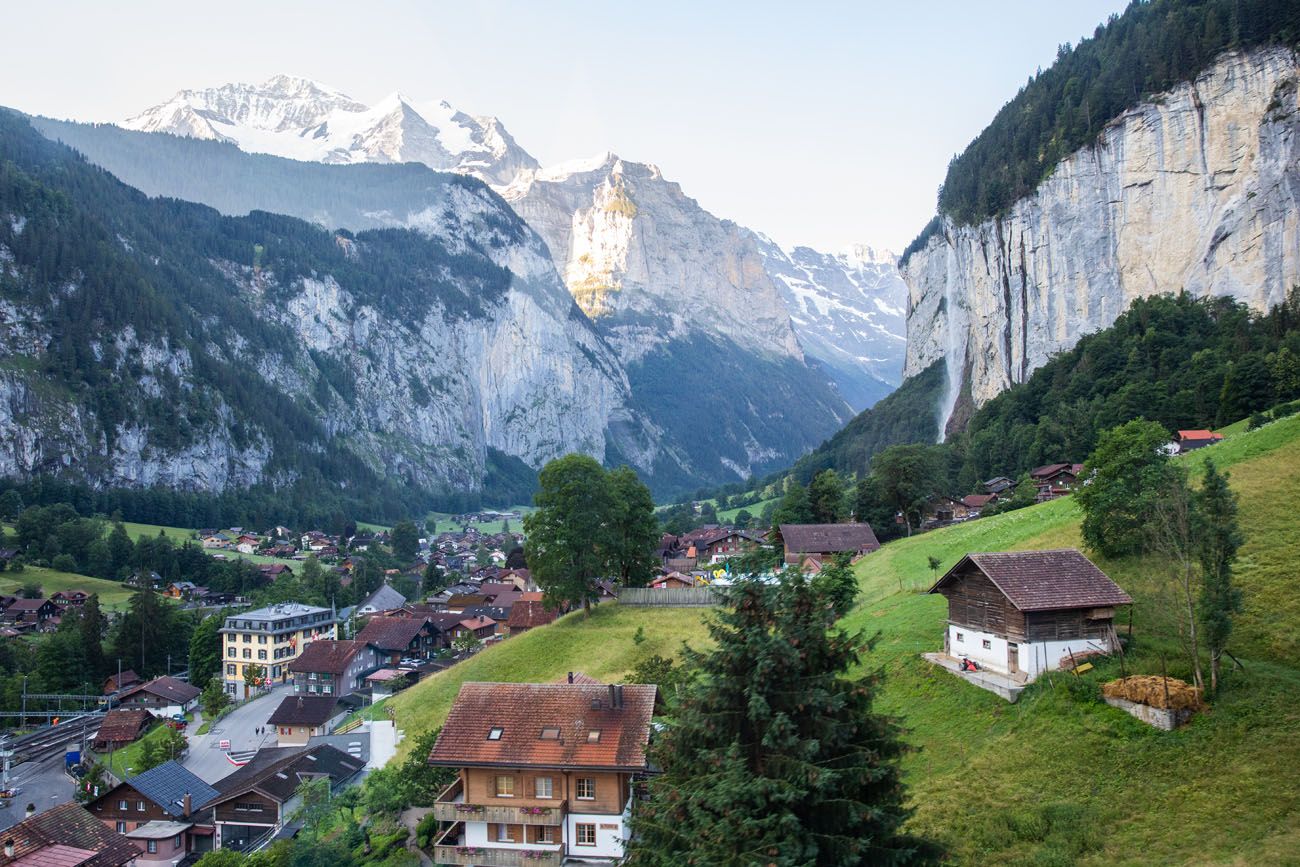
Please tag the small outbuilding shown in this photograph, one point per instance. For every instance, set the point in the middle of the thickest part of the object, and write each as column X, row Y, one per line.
column 1022, row 613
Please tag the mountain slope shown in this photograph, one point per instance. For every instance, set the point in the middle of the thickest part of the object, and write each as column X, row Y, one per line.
column 1195, row 189
column 166, row 345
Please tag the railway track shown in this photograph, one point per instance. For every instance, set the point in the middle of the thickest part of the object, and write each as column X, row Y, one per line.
column 42, row 742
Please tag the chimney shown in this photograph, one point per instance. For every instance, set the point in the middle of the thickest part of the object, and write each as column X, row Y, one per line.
column 186, row 806
column 570, row 677
column 613, row 698
column 299, row 702
column 9, row 848
column 31, row 811
column 618, row 696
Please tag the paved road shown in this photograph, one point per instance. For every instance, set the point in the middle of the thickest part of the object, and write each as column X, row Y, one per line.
column 208, row 761
column 42, row 783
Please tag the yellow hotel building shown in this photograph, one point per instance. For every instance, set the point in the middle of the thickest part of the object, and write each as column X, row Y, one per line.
column 271, row 637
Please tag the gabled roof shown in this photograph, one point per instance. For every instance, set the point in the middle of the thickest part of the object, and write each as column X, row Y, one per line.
column 276, row 772
column 1049, row 470
column 167, row 688
column 477, row 623
column 1198, row 435
column 304, row 710
column 28, row 604
column 123, row 724
column 385, row 598
column 126, row 678
column 1044, row 580
column 168, row 784
column 523, row 710
column 391, row 633
column 526, row 615
column 326, row 655
column 828, row 538
column 57, row 855
column 69, row 826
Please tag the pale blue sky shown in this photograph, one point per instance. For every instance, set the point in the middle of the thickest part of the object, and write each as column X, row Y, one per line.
column 818, row 123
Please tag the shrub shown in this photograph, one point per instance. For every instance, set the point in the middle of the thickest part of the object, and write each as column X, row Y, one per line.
column 64, row 563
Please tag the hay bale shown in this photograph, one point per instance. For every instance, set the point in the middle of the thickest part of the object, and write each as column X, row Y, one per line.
column 1152, row 689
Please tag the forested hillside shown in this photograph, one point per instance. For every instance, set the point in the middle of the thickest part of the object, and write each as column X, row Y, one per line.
column 1148, row 49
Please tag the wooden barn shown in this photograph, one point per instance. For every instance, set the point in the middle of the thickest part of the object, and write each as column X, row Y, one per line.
column 1023, row 613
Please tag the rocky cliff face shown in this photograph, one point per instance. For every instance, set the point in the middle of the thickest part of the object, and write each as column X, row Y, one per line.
column 1196, row 190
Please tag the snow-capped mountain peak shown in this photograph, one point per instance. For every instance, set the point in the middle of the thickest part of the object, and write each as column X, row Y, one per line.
column 301, row 119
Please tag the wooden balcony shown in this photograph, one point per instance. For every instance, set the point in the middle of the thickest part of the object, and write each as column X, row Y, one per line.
column 450, row 849
column 451, row 807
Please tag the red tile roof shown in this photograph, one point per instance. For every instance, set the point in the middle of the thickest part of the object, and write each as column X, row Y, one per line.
column 526, row 615
column 391, row 633
column 69, row 825
column 57, row 855
column 477, row 623
column 828, row 538
column 523, row 710
column 327, row 655
column 1199, row 435
column 977, row 501
column 1045, row 580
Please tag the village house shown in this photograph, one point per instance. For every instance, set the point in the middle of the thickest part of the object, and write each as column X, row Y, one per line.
column 398, row 638
column 161, row 811
column 164, row 696
column 1190, row 440
column 526, row 615
column 480, row 627
column 271, row 638
column 259, row 798
column 384, row 598
column 546, row 767
column 672, row 580
column 1022, row 613
column 65, row 836
column 120, row 727
column 1055, row 480
column 302, row 717
column 999, row 485
column 70, row 598
column 332, row 667
column 30, row 611
column 122, row 680
column 827, row 540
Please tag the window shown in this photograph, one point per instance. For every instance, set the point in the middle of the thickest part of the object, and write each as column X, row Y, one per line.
column 542, row 787
column 261, row 639
column 585, row 788
column 248, row 639
column 151, row 846
column 586, row 834
column 261, row 654
column 593, row 736
column 121, row 827
column 139, row 806
column 495, row 733
column 961, row 638
column 231, row 652
column 176, row 843
column 122, row 805
column 543, row 834
column 503, row 834
column 988, row 645
column 550, row 733
column 505, row 786
column 248, row 654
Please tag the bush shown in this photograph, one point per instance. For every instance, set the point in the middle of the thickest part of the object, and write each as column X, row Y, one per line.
column 64, row 563
column 426, row 831
column 1257, row 420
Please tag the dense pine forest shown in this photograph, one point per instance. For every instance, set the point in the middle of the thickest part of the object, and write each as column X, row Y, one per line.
column 1150, row 48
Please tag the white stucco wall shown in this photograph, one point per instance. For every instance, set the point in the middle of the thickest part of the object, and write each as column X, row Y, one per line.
column 1035, row 657
column 609, row 841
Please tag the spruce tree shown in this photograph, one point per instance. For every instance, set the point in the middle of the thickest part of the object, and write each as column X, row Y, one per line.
column 1217, row 544
column 776, row 756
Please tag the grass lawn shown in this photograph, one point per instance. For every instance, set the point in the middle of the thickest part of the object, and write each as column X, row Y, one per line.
column 601, row 646
column 111, row 594
column 446, row 525
column 726, row 516
column 1058, row 778
column 129, row 756
column 176, row 534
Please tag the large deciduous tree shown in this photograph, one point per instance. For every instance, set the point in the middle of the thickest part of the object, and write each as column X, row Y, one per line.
column 776, row 755
column 589, row 524
column 1123, row 476
column 906, row 476
column 826, row 498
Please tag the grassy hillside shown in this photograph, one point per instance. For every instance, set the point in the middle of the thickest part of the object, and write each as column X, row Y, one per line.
column 111, row 593
column 1058, row 778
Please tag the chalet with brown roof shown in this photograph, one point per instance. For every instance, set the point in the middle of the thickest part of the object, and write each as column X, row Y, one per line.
column 333, row 668
column 65, row 836
column 262, row 795
column 126, row 679
column 1191, row 440
column 526, row 615
column 70, row 598
column 672, row 580
column 480, row 627
column 161, row 811
column 163, row 695
column 396, row 638
column 32, row 611
column 302, row 717
column 547, row 767
column 121, row 727
column 1055, row 480
column 1022, row 613
column 855, row 539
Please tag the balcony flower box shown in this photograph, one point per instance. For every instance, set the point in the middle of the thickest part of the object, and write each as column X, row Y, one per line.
column 536, row 811
column 469, row 808
column 537, row 855
column 470, row 851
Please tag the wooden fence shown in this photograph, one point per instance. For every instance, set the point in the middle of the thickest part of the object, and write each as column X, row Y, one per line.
column 671, row 597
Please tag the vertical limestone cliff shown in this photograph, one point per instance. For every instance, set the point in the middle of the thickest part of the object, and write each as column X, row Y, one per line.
column 1196, row 190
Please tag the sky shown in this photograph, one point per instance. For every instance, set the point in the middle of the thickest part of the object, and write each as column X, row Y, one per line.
column 824, row 124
